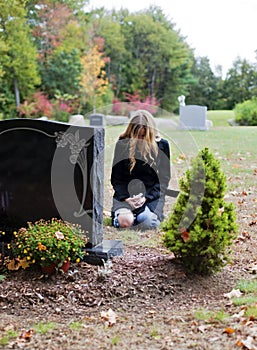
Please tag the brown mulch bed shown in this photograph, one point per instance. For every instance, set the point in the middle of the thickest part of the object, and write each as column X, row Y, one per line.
column 154, row 301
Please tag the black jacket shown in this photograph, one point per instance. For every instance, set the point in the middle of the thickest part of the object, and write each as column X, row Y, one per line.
column 150, row 179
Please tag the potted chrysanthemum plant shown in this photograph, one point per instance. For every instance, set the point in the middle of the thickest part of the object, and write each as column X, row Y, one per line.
column 52, row 244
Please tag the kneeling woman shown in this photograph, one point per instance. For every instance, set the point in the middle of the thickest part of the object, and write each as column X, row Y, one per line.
column 140, row 174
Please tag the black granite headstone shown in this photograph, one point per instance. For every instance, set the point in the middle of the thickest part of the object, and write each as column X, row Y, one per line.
column 51, row 169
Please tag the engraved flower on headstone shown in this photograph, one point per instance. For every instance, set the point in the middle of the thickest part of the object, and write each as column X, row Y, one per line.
column 76, row 145
column 61, row 139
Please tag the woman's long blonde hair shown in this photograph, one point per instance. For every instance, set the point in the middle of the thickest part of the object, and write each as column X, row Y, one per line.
column 148, row 146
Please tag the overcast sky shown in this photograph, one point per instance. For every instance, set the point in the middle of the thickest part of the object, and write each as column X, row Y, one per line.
column 222, row 30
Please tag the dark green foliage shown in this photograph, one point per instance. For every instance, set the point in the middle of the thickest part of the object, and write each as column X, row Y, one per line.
column 204, row 87
column 202, row 224
column 7, row 101
column 240, row 83
column 54, row 74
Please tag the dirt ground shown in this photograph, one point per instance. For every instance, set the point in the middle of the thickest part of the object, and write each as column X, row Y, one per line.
column 143, row 301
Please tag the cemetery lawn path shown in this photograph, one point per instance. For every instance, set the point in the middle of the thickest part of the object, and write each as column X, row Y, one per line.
column 145, row 302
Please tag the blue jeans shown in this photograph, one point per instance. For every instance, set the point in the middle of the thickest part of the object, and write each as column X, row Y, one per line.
column 146, row 220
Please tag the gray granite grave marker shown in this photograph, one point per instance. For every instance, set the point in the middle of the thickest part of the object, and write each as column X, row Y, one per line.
column 193, row 117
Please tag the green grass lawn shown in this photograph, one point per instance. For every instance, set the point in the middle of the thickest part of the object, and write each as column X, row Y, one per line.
column 234, row 146
column 220, row 118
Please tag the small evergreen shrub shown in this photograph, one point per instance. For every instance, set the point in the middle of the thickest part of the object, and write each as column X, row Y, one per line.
column 246, row 113
column 202, row 224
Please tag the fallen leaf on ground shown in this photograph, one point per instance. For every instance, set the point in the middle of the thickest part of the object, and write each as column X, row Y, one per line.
column 26, row 335
column 109, row 317
column 240, row 314
column 185, row 235
column 248, row 343
column 204, row 327
column 234, row 193
column 15, row 264
column 229, row 330
column 235, row 293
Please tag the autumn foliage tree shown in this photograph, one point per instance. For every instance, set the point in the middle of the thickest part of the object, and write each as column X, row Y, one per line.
column 93, row 78
column 49, row 30
column 202, row 224
column 59, row 39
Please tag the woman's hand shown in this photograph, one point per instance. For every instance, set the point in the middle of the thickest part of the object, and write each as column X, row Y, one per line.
column 136, row 201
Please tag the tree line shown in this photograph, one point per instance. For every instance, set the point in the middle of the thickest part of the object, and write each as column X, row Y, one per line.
column 57, row 58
